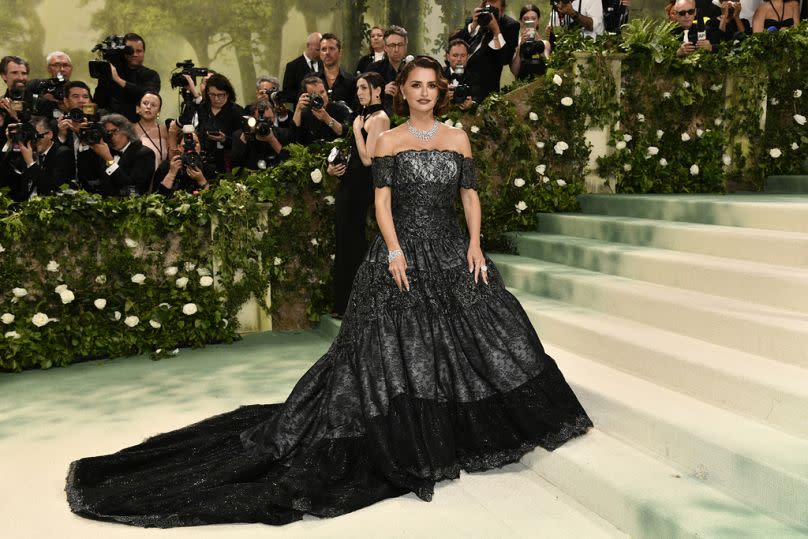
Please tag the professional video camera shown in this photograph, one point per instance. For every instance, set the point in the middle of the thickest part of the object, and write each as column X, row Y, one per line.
column 112, row 50
column 186, row 67
column 23, row 133
column 486, row 14
column 40, row 104
column 459, row 86
column 531, row 51
column 190, row 157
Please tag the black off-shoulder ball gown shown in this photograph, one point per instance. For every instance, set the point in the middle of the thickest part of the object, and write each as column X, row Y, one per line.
column 416, row 386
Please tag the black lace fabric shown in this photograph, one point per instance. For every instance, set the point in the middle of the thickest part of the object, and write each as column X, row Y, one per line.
column 417, row 386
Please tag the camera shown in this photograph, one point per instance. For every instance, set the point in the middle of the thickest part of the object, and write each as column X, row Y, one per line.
column 337, row 158
column 54, row 87
column 486, row 14
column 92, row 133
column 461, row 90
column 252, row 126
column 531, row 50
column 23, row 133
column 190, row 157
column 316, row 101
column 112, row 50
column 76, row 115
column 186, row 67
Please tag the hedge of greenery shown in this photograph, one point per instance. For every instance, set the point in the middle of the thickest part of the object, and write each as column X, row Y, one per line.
column 88, row 277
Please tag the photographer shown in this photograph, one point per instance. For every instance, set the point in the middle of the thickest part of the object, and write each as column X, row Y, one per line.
column 532, row 51
column 492, row 37
column 118, row 165
column 694, row 36
column 584, row 14
column 316, row 118
column 465, row 84
column 120, row 88
column 33, row 162
column 267, row 88
column 395, row 48
column 730, row 23
column 47, row 94
column 15, row 102
column 259, row 144
column 185, row 169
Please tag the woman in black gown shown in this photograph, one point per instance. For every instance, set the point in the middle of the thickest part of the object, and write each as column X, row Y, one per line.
column 433, row 371
column 355, row 190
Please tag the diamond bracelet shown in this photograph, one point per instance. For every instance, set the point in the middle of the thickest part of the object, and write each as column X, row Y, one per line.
column 392, row 255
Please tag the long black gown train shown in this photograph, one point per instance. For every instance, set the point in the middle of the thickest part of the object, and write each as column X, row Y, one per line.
column 417, row 386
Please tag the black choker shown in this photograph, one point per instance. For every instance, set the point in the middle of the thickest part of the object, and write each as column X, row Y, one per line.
column 367, row 111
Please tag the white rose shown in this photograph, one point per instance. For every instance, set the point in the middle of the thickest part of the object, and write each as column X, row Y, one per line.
column 475, row 129
column 101, row 279
column 19, row 292
column 800, row 119
column 533, row 116
column 627, row 138
column 545, row 179
column 329, row 200
column 138, row 278
column 449, row 122
column 2, row 249
column 641, row 118
column 238, row 276
column 663, row 162
column 627, row 167
column 685, row 137
column 699, row 132
column 775, row 152
column 131, row 321
column 557, row 80
column 666, row 95
column 797, row 93
column 12, row 335
column 316, row 175
column 774, row 101
column 61, row 288
column 718, row 121
column 561, row 147
column 206, row 281
column 726, row 159
column 621, row 145
column 117, row 315
column 332, row 256
column 519, row 182
column 130, row 243
column 540, row 169
column 189, row 309
column 182, row 282
column 314, row 241
column 67, row 296
column 659, row 134
column 685, row 84
column 539, row 145
column 286, row 210
column 277, row 261
column 189, row 266
column 653, row 150
column 716, row 87
column 520, row 206
column 7, row 318
column 52, row 266
column 202, row 271
column 561, row 183
column 171, row 271
column 155, row 324
column 100, row 303
column 566, row 101
column 459, row 125
column 40, row 319
column 795, row 146
column 694, row 169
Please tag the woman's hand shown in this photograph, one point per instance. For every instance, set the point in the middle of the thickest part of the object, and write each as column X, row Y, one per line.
column 477, row 265
column 336, row 170
column 398, row 269
column 358, row 124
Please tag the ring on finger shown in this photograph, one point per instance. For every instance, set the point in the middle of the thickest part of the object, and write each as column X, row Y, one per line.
column 484, row 268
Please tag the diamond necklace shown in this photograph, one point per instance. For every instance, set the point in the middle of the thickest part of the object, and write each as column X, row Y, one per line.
column 422, row 135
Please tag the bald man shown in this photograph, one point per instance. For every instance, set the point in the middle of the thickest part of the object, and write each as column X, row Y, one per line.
column 694, row 36
column 305, row 64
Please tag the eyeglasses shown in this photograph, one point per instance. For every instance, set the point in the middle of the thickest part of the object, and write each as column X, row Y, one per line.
column 685, row 12
column 112, row 131
column 214, row 95
column 60, row 66
column 396, row 45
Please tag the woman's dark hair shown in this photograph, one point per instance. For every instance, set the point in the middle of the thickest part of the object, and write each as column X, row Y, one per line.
column 400, row 106
column 529, row 7
column 217, row 80
column 374, row 27
column 373, row 79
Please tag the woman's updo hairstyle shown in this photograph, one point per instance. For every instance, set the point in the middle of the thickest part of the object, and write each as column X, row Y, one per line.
column 400, row 106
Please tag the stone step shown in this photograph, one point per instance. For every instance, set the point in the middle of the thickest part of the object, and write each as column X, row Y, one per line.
column 755, row 244
column 646, row 497
column 774, row 212
column 766, row 284
column 757, row 329
column 787, row 184
column 755, row 463
column 765, row 390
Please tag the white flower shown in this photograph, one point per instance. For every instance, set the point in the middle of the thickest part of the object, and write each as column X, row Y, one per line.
column 533, row 116
column 449, row 122
column 561, row 183
column 117, row 315
column 774, row 101
column 189, row 309
column 316, row 175
column 155, row 324
column 627, row 167
column 277, row 261
column 202, row 271
column 130, row 243
column 699, row 132
column 314, row 241
column 52, row 266
column 666, row 95
column 659, row 134
column 138, row 278
column 101, row 279
column 475, row 129
column 61, row 288
column 716, row 87
column 560, row 147
column 459, row 125
column 519, row 182
column 795, row 146
column 7, row 318
column 286, row 210
column 797, row 93
column 726, row 159
column 100, row 303
column 641, row 118
column 131, row 321
column 182, row 282
column 540, row 169
column 67, row 296
column 685, row 84
column 206, row 281
column 2, row 249
column 171, row 271
column 694, row 169
column 653, row 150
column 566, row 101
column 19, row 292
column 40, row 319
column 12, row 335
column 627, row 138
column 332, row 256
column 663, row 162
column 520, row 206
column 775, row 152
column 621, row 145
column 800, row 119
column 329, row 200
column 539, row 145
column 189, row 266
column 685, row 137
column 545, row 179
column 557, row 80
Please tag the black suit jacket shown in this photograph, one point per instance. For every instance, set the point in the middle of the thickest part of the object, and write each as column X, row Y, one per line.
column 110, row 96
column 57, row 167
column 487, row 63
column 469, row 78
column 132, row 176
column 293, row 75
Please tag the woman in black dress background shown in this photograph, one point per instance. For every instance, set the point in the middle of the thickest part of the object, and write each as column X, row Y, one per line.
column 355, row 190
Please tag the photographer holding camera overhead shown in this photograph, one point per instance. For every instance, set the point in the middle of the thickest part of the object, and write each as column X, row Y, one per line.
column 584, row 14
column 317, row 118
column 185, row 169
column 258, row 145
column 122, row 77
column 492, row 36
column 532, row 51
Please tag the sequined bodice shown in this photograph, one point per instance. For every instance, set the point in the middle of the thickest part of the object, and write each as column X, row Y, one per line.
column 425, row 185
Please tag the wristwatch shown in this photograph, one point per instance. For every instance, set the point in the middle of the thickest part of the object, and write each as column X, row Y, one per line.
column 331, row 122
column 110, row 162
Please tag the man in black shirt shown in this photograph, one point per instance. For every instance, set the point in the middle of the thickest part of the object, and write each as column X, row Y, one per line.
column 340, row 85
column 121, row 92
column 317, row 118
